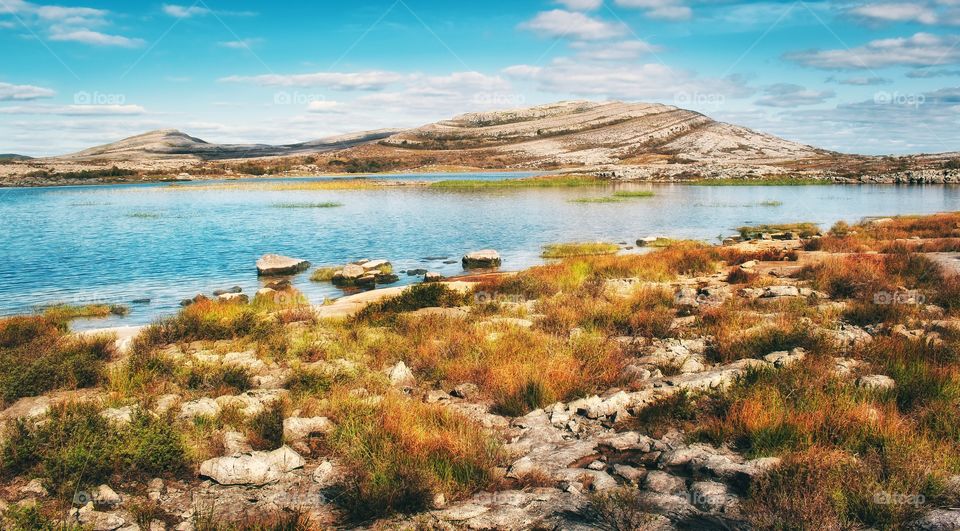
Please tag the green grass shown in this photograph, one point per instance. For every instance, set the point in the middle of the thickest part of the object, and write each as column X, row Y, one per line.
column 570, row 181
column 67, row 312
column 565, row 250
column 804, row 229
column 328, row 204
column 143, row 215
column 323, row 274
column 627, row 195
column 596, row 200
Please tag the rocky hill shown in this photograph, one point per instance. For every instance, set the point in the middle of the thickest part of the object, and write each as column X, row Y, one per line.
column 633, row 141
column 170, row 143
column 583, row 132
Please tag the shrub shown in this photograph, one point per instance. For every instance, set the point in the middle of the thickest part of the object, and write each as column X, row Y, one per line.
column 37, row 356
column 532, row 395
column 266, row 427
column 402, row 452
column 413, row 298
column 76, row 447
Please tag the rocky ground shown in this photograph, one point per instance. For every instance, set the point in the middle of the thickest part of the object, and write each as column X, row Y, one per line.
column 597, row 455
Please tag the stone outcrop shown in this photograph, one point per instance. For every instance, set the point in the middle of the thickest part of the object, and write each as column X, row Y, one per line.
column 274, row 264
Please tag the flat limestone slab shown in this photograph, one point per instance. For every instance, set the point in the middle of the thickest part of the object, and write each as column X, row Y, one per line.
column 275, row 264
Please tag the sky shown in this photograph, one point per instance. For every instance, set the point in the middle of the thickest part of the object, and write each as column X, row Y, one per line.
column 873, row 77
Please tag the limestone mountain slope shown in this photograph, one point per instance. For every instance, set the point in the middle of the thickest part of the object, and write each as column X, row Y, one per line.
column 170, row 143
column 603, row 133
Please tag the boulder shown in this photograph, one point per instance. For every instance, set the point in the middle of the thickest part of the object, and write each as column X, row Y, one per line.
column 201, row 407
column 432, row 277
column 120, row 416
column 877, row 382
column 466, row 391
column 401, row 375
column 233, row 290
column 274, row 264
column 783, row 358
column 104, row 495
column 481, row 259
column 233, row 297
column 349, row 275
column 34, row 488
column 297, row 429
column 664, row 483
column 90, row 518
column 254, row 468
column 938, row 520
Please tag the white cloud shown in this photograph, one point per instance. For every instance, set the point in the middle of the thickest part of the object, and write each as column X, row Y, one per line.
column 242, row 44
column 581, row 5
column 860, row 81
column 75, row 110
column 10, row 92
column 559, row 23
column 646, row 82
column 659, row 9
column 370, row 80
column 95, row 38
column 323, row 106
column 921, row 49
column 68, row 24
column 790, row 95
column 926, row 73
column 179, row 11
column 895, row 12
column 617, row 51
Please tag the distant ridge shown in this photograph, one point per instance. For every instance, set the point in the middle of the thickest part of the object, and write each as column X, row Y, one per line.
column 170, row 143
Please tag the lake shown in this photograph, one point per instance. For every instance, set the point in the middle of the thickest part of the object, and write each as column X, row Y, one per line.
column 114, row 244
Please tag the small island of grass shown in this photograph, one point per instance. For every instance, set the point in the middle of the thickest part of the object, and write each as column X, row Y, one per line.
column 566, row 250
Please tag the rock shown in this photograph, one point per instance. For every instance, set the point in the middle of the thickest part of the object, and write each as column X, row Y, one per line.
column 199, row 297
column 165, row 403
column 749, row 264
column 401, row 376
column 938, row 520
column 201, row 407
column 466, row 391
column 95, row 520
column 432, row 277
column 235, row 443
column 481, row 259
column 229, row 291
column 349, row 274
column 104, row 495
column 785, row 359
column 254, row 468
column 712, row 496
column 326, row 474
column 274, row 264
column 279, row 285
column 877, row 382
column 120, row 416
column 664, row 483
column 238, row 298
column 246, row 360
column 297, row 429
column 378, row 265
column 845, row 366
column 780, row 291
column 34, row 488
column 632, row 474
column 416, row 272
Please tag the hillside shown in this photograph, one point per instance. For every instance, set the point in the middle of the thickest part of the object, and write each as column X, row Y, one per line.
column 170, row 143
column 633, row 141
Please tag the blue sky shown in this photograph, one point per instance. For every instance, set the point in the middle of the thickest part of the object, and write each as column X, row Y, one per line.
column 868, row 77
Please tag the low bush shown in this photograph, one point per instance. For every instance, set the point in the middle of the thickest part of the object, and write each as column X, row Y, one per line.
column 402, row 452
column 37, row 356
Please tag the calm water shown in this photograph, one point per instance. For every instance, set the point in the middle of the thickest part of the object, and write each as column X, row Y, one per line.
column 114, row 244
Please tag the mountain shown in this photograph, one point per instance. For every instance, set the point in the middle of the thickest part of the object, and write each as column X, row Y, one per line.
column 170, row 143
column 583, row 132
column 565, row 133
column 13, row 156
